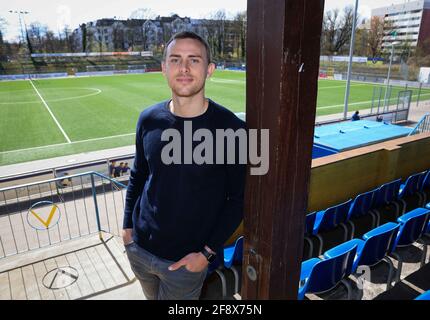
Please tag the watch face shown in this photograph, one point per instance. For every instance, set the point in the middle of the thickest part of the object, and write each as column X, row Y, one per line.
column 211, row 258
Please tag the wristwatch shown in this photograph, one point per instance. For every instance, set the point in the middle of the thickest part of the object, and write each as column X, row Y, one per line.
column 209, row 256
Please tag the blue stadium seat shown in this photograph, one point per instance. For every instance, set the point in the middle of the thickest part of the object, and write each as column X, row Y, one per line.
column 331, row 218
column 386, row 202
column 425, row 187
column 410, row 192
column 233, row 254
column 320, row 275
column 360, row 210
column 424, row 296
column 373, row 248
column 216, row 266
column 309, row 227
column 412, row 228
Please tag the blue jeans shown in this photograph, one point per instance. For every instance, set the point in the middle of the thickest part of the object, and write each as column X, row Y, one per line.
column 158, row 283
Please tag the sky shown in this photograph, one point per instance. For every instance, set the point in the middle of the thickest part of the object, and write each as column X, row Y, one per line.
column 58, row 13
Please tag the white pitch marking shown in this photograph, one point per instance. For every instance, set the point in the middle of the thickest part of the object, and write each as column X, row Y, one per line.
column 50, row 112
column 62, row 144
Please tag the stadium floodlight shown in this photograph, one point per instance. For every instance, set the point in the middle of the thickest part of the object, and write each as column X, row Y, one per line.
column 20, row 13
column 386, row 104
column 351, row 52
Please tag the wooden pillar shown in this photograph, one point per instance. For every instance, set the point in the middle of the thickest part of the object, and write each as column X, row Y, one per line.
column 283, row 49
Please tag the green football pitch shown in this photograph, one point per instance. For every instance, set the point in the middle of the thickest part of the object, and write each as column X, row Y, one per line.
column 54, row 117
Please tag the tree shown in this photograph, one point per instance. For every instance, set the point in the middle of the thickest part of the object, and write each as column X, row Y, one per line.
column 336, row 32
column 361, row 40
column 421, row 55
column 2, row 43
column 239, row 25
column 378, row 29
column 216, row 27
column 68, row 41
column 84, row 36
column 118, row 36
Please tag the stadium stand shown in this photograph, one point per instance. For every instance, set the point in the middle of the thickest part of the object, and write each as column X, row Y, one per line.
column 71, row 65
column 379, row 240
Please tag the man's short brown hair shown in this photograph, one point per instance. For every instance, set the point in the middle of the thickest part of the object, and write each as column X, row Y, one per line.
column 188, row 35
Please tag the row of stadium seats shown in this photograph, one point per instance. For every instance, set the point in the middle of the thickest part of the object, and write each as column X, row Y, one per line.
column 390, row 229
column 229, row 258
column 332, row 226
column 383, row 209
column 338, row 263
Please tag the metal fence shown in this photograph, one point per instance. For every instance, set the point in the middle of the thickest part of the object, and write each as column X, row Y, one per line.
column 56, row 210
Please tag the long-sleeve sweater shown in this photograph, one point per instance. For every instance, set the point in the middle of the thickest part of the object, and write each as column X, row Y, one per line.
column 175, row 209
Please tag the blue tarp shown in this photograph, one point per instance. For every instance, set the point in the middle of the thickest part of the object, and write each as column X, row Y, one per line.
column 344, row 136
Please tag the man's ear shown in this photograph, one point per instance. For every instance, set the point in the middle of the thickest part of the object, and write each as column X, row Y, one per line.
column 211, row 69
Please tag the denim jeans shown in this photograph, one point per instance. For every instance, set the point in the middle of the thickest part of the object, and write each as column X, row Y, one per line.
column 158, row 283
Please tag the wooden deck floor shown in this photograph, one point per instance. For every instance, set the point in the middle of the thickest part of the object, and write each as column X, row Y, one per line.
column 88, row 268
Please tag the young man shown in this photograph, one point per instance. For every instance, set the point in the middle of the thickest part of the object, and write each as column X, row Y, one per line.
column 355, row 116
column 178, row 215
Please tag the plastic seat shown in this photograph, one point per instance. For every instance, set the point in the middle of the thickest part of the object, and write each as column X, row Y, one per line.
column 215, row 266
column 233, row 254
column 428, row 225
column 360, row 207
column 425, row 187
column 373, row 248
column 412, row 228
column 309, row 226
column 385, row 198
column 320, row 275
column 331, row 218
column 410, row 192
column 424, row 296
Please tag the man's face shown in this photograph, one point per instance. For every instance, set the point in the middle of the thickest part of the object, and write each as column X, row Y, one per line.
column 186, row 67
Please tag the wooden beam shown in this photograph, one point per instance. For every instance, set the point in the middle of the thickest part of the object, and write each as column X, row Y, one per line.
column 283, row 49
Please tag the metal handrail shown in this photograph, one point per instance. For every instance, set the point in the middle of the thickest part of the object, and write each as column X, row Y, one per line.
column 422, row 126
column 65, row 177
column 79, row 217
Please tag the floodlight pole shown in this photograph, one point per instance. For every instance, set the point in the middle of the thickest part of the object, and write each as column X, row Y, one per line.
column 20, row 13
column 388, row 77
column 351, row 52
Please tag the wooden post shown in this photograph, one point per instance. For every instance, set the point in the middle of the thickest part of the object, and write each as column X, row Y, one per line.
column 283, row 49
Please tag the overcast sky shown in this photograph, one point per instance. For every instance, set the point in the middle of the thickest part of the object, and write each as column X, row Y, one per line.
column 57, row 13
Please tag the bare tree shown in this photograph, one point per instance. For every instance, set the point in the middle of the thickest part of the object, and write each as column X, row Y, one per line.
column 239, row 25
column 118, row 36
column 376, row 35
column 36, row 33
column 84, row 36
column 336, row 32
column 2, row 43
column 215, row 27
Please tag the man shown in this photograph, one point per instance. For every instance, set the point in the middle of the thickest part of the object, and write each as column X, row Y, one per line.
column 117, row 170
column 125, row 169
column 178, row 216
column 112, row 167
column 356, row 116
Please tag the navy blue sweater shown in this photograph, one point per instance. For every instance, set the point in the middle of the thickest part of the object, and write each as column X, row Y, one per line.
column 177, row 209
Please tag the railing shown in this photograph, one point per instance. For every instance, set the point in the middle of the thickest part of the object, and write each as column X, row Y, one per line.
column 423, row 125
column 65, row 208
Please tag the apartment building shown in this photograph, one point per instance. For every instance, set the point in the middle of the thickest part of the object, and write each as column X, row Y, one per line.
column 410, row 22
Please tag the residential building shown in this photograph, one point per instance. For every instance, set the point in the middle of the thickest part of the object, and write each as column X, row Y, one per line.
column 408, row 22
